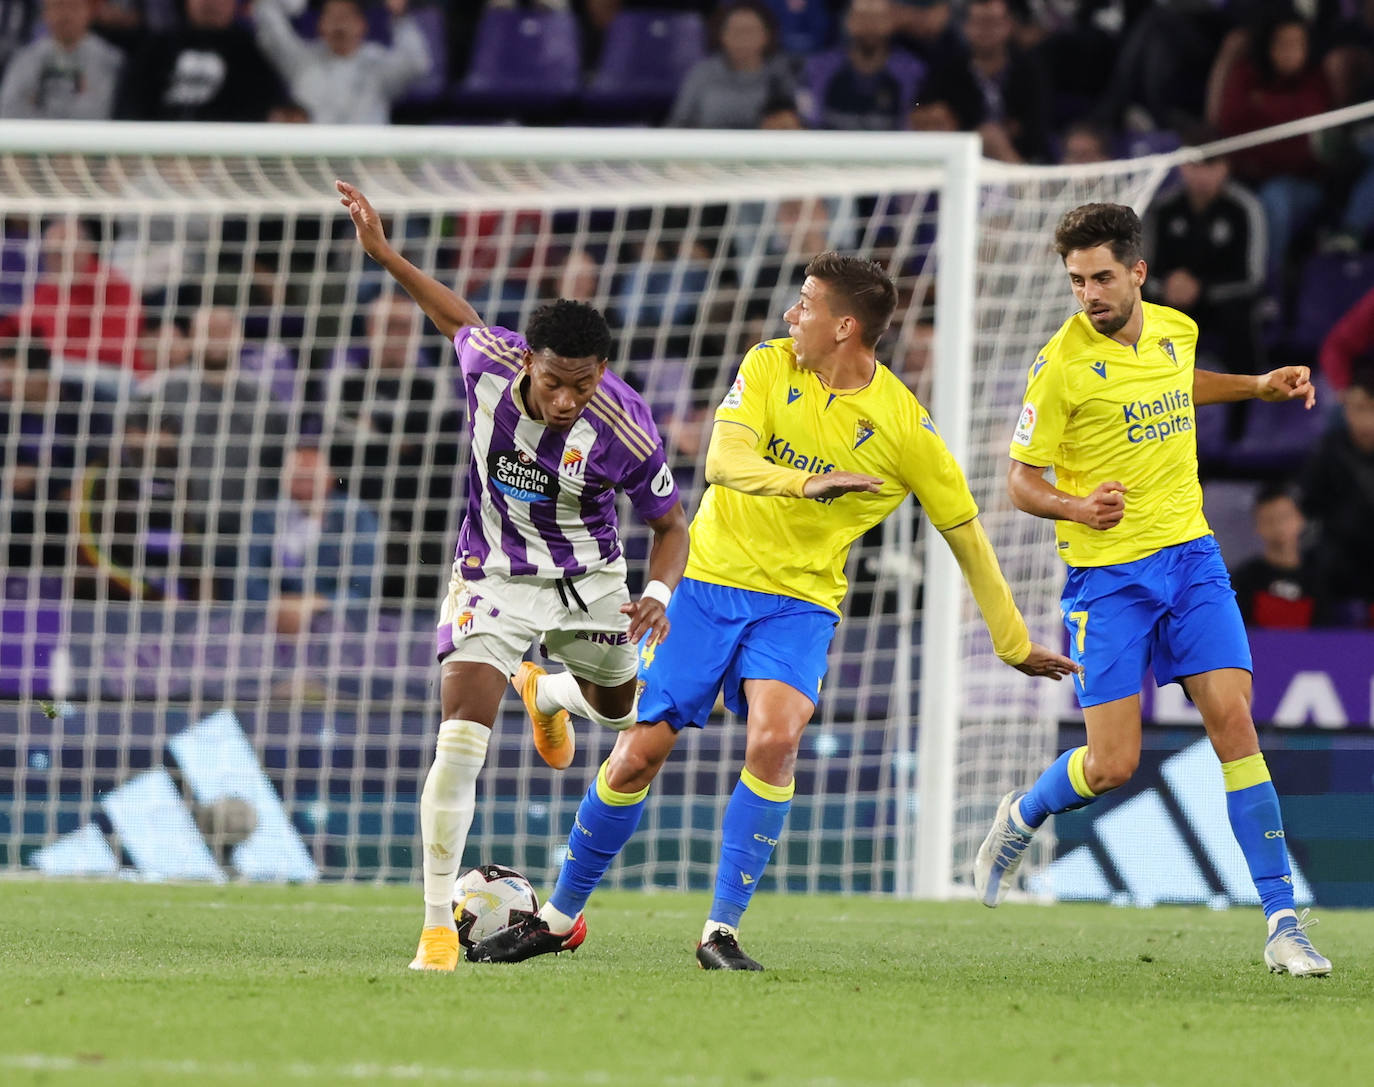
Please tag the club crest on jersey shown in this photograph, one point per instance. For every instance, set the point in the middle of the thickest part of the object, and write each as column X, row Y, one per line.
column 464, row 622
column 863, row 430
column 1100, row 369
column 573, row 459
column 1167, row 346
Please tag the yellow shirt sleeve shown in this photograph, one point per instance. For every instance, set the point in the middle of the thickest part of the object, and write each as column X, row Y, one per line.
column 973, row 551
column 732, row 461
column 930, row 472
column 1040, row 429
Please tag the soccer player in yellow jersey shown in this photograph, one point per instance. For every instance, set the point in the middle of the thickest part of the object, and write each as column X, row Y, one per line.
column 1109, row 405
column 814, row 444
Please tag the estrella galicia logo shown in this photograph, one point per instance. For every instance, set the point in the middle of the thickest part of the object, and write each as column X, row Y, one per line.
column 516, row 474
column 1100, row 369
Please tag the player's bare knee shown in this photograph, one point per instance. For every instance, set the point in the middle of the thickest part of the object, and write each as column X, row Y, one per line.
column 1111, row 772
column 633, row 768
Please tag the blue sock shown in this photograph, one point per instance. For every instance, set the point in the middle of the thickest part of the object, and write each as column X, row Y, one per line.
column 1253, row 807
column 753, row 823
column 1062, row 787
column 605, row 821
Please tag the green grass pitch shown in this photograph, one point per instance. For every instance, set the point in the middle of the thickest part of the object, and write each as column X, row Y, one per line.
column 106, row 984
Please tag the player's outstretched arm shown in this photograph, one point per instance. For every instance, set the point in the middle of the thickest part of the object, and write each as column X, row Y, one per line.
column 1285, row 383
column 732, row 461
column 667, row 561
column 1032, row 493
column 1010, row 639
column 448, row 310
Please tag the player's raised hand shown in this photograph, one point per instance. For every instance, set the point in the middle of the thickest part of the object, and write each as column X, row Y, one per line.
column 1048, row 663
column 366, row 221
column 1104, row 508
column 833, row 484
column 646, row 616
column 1288, row 383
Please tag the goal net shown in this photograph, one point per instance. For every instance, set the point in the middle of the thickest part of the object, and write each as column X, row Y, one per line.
column 233, row 460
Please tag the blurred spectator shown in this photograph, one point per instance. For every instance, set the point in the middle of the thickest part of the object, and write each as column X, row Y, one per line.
column 1262, row 77
column 868, row 84
column 17, row 19
column 209, row 69
column 744, row 74
column 49, row 428
column 1205, row 246
column 205, row 406
column 1084, row 142
column 950, row 100
column 69, row 75
column 1014, row 86
column 1160, row 75
column 343, row 78
column 312, row 548
column 1349, row 344
column 781, row 115
column 804, row 26
column 393, row 426
column 1282, row 587
column 1338, row 493
column 83, row 311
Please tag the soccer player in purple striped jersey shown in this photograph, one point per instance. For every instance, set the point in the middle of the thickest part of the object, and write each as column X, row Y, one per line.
column 554, row 437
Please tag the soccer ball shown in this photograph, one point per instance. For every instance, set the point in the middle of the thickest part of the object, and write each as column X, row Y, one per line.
column 489, row 898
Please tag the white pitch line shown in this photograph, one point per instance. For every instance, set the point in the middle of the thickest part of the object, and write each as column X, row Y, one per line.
column 427, row 1073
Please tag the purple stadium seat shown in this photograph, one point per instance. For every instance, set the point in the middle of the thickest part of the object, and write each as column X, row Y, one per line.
column 429, row 19
column 1331, row 284
column 522, row 61
column 1277, row 438
column 643, row 61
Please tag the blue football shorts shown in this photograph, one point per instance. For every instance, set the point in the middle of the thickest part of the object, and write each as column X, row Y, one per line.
column 1173, row 612
column 719, row 638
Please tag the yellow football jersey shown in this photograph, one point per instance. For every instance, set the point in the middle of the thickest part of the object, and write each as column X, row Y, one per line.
column 1097, row 410
column 797, row 546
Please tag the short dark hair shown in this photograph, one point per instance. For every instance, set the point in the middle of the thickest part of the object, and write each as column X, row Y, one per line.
column 1090, row 225
column 1273, row 491
column 858, row 288
column 573, row 330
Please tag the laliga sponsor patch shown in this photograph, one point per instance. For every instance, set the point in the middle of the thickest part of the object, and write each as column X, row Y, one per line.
column 735, row 397
column 1025, row 426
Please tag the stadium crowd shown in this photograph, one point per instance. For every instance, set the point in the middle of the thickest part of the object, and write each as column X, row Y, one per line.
column 132, row 353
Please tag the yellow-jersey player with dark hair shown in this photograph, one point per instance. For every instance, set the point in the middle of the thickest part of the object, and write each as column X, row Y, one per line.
column 815, row 443
column 1110, row 405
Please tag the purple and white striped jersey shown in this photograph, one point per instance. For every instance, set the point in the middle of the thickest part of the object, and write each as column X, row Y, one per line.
column 541, row 501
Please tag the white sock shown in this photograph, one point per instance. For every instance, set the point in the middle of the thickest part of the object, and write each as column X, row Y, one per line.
column 1277, row 916
column 712, row 927
column 560, row 691
column 446, row 808
column 558, row 921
